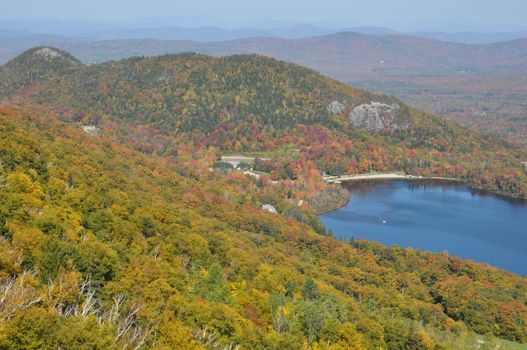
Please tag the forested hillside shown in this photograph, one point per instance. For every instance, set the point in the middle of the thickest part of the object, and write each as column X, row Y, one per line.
column 257, row 104
column 120, row 228
column 482, row 86
column 104, row 247
column 35, row 65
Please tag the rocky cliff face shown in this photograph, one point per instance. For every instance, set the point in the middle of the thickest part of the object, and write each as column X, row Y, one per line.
column 375, row 117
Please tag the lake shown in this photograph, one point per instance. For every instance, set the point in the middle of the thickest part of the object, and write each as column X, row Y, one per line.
column 436, row 216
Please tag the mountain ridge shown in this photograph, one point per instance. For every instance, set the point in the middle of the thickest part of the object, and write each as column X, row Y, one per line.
column 419, row 43
column 193, row 28
column 477, row 92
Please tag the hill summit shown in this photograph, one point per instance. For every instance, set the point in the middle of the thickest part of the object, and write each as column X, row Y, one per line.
column 35, row 65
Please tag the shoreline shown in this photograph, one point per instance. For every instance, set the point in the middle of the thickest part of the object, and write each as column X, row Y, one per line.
column 390, row 176
column 393, row 176
column 340, row 206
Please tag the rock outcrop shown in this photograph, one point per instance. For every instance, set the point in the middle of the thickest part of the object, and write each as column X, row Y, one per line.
column 47, row 53
column 269, row 208
column 91, row 130
column 336, row 107
column 375, row 116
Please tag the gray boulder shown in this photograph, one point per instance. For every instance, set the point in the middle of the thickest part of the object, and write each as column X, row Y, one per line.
column 336, row 107
column 375, row 116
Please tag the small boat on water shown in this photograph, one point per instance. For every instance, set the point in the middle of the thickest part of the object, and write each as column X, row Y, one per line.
column 384, row 221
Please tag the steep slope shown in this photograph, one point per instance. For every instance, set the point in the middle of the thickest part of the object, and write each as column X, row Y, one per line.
column 258, row 104
column 35, row 65
column 102, row 247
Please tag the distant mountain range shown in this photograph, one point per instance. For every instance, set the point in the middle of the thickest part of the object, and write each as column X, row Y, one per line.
column 341, row 55
column 472, row 37
column 213, row 29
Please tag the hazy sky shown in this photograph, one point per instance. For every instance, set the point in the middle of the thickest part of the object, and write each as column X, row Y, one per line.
column 358, row 12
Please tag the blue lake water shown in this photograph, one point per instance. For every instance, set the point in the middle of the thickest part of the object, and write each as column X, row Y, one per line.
column 436, row 216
